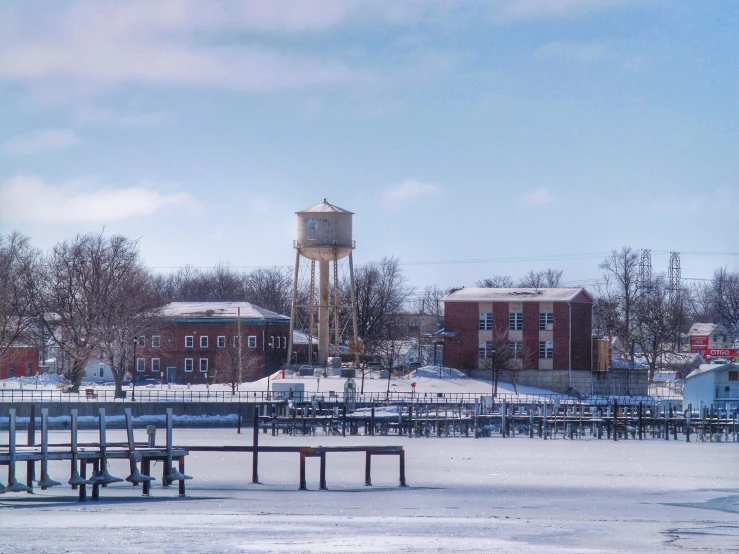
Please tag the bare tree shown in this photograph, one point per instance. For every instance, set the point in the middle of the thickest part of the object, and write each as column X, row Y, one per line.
column 495, row 282
column 620, row 287
column 545, row 279
column 269, row 288
column 229, row 371
column 655, row 323
column 505, row 358
column 726, row 298
column 18, row 273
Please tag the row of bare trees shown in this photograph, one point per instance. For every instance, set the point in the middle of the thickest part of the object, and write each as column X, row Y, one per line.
column 650, row 316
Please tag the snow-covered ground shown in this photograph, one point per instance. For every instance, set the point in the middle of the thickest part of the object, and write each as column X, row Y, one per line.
column 465, row 495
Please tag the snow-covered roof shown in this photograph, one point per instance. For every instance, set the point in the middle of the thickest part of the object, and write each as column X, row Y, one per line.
column 226, row 310
column 702, row 328
column 478, row 294
column 324, row 207
column 710, row 368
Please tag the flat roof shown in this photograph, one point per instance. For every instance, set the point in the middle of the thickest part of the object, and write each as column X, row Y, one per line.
column 710, row 368
column 480, row 294
column 218, row 310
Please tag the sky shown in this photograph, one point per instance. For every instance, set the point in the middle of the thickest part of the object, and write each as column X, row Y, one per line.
column 470, row 138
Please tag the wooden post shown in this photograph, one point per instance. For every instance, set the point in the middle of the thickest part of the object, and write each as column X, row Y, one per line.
column 95, row 484
column 181, row 489
column 302, row 470
column 641, row 420
column 238, row 419
column 83, row 474
column 255, row 445
column 372, row 422
column 30, row 465
column 322, row 480
column 146, row 470
column 615, row 419
column 687, row 423
column 402, row 467
column 367, row 469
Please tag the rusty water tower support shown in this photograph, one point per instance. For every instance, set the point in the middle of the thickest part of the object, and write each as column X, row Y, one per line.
column 324, row 236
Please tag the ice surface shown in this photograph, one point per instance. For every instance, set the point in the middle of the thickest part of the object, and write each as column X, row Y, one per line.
column 465, row 495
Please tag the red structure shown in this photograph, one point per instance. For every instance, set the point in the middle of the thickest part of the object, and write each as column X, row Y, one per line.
column 554, row 323
column 19, row 361
column 199, row 339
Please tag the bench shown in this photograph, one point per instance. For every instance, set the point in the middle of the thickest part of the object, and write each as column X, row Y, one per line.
column 90, row 393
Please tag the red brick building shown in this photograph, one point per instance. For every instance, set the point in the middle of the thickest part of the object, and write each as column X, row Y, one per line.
column 19, row 361
column 195, row 339
column 555, row 323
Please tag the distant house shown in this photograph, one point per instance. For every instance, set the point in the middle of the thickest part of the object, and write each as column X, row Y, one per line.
column 19, row 361
column 97, row 371
column 712, row 384
column 710, row 339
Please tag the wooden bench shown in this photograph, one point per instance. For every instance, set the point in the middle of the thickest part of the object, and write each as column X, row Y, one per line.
column 90, row 393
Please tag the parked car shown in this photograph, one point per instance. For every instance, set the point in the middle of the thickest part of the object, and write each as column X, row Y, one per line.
column 141, row 380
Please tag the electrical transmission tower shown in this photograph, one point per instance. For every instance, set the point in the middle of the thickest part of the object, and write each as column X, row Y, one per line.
column 674, row 276
column 644, row 279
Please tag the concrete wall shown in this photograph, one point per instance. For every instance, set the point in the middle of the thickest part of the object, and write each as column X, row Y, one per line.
column 618, row 382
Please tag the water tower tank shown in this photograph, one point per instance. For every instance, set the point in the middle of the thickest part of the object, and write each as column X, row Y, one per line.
column 324, row 230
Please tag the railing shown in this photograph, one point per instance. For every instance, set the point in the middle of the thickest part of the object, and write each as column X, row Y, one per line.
column 366, row 399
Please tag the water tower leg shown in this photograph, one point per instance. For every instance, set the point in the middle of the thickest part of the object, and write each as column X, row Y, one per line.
column 323, row 312
column 354, row 310
column 293, row 309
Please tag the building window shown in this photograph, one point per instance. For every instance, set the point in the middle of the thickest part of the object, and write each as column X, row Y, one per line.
column 101, row 367
column 272, row 341
column 284, row 342
column 221, row 342
column 486, row 321
column 11, row 370
column 142, row 341
column 515, row 349
column 155, row 365
column 188, row 365
column 30, row 369
column 203, row 365
column 188, row 341
column 140, row 364
column 236, row 341
column 484, row 350
column 155, row 340
column 203, row 341
column 546, row 350
column 252, row 341
column 414, row 325
column 546, row 322
column 734, row 376
column 515, row 321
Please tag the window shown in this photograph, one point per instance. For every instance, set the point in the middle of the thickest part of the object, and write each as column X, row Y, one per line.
column 546, row 322
column 203, row 365
column 515, row 321
column 284, row 342
column 515, row 349
column 484, row 350
column 11, row 370
column 734, row 376
column 414, row 325
column 272, row 341
column 101, row 367
column 546, row 350
column 30, row 369
column 252, row 341
column 221, row 342
column 203, row 341
column 236, row 341
column 155, row 365
column 140, row 364
column 188, row 365
column 188, row 341
column 155, row 340
column 486, row 321
column 142, row 341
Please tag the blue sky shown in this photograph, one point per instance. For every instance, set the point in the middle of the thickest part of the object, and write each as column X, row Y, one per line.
column 514, row 134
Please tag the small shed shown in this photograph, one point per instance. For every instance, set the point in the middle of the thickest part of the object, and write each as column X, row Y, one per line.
column 712, row 384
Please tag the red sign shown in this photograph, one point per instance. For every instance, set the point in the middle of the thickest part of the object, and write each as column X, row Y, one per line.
column 699, row 340
column 723, row 352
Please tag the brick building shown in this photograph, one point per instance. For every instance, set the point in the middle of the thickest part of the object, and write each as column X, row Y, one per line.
column 555, row 323
column 19, row 361
column 192, row 339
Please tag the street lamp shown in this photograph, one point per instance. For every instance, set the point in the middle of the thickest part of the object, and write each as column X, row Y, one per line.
column 133, row 378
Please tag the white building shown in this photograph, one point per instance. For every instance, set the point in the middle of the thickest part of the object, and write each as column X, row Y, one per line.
column 97, row 371
column 716, row 384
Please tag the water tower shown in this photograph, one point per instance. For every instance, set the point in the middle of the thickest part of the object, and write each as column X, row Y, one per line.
column 324, row 237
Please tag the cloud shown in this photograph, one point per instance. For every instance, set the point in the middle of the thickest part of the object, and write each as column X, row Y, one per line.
column 410, row 189
column 29, row 199
column 46, row 140
column 585, row 53
column 94, row 114
column 512, row 10
column 538, row 196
